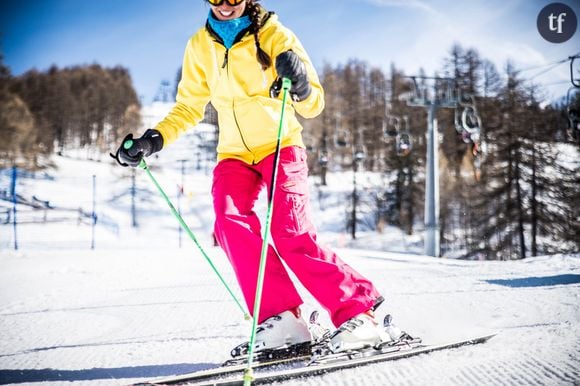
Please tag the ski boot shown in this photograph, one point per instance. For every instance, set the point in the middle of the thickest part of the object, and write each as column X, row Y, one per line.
column 287, row 330
column 359, row 332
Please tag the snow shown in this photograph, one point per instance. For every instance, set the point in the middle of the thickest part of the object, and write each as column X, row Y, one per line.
column 139, row 306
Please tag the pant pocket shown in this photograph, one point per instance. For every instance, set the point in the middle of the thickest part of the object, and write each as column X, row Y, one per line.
column 294, row 196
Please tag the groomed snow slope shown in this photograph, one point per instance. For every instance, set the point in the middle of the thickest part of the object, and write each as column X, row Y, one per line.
column 138, row 306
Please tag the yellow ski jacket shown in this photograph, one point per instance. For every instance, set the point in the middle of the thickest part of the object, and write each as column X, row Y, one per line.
column 235, row 83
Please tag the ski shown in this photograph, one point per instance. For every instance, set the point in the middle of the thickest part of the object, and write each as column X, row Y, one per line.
column 288, row 368
column 292, row 356
column 330, row 363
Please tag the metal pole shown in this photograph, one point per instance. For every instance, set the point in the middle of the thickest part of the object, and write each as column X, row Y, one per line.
column 432, row 186
column 354, row 196
column 94, row 214
column 14, row 201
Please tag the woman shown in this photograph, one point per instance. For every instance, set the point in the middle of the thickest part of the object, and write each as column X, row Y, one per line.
column 228, row 62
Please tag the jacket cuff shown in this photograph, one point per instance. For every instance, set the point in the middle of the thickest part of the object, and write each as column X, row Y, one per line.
column 156, row 139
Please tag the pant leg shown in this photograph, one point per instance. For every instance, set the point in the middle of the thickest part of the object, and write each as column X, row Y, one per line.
column 341, row 290
column 235, row 190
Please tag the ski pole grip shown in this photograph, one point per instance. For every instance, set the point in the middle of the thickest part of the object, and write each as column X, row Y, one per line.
column 286, row 84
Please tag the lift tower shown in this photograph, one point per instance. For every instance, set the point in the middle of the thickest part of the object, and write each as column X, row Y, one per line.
column 432, row 93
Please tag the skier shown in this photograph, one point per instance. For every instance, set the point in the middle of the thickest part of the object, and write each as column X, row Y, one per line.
column 228, row 62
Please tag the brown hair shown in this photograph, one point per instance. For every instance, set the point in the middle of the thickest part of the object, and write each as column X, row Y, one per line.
column 254, row 11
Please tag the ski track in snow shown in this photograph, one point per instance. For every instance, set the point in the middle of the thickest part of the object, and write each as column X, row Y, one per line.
column 139, row 306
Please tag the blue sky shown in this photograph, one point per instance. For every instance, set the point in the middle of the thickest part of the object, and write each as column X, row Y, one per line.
column 148, row 36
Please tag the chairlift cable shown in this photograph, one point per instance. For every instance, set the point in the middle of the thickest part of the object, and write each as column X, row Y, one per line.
column 554, row 65
column 539, row 66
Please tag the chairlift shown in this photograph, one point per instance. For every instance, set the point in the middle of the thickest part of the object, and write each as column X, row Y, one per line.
column 465, row 137
column 341, row 138
column 391, row 127
column 404, row 143
column 323, row 158
column 475, row 137
column 573, row 113
column 465, row 99
column 575, row 82
column 360, row 153
column 468, row 121
column 310, row 143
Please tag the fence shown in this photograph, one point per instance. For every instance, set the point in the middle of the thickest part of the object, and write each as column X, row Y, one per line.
column 38, row 211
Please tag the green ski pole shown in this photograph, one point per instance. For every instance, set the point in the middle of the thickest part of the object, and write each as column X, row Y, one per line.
column 143, row 165
column 249, row 373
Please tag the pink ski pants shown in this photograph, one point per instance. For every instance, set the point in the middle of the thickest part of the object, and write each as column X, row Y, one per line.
column 341, row 290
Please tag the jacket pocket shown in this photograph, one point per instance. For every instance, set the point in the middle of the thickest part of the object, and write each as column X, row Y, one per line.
column 258, row 119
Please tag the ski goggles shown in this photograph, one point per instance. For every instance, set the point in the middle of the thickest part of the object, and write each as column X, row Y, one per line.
column 232, row 3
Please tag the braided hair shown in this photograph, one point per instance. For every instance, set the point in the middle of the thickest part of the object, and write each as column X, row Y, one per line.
column 253, row 9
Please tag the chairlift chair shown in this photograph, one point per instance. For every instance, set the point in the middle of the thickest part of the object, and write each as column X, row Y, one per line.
column 404, row 144
column 573, row 114
column 323, row 158
column 341, row 138
column 391, row 127
column 309, row 143
column 575, row 82
column 360, row 153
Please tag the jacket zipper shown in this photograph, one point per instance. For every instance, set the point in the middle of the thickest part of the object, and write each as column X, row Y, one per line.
column 219, row 40
column 225, row 65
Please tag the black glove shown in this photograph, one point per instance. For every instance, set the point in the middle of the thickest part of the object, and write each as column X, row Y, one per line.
column 289, row 65
column 150, row 142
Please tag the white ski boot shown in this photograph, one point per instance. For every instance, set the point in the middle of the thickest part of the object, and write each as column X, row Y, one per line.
column 278, row 332
column 357, row 333
column 281, row 331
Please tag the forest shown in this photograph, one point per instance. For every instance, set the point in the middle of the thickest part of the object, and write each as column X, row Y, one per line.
column 43, row 113
column 508, row 161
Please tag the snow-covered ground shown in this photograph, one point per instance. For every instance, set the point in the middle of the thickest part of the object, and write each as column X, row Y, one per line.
column 112, row 318
column 139, row 306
